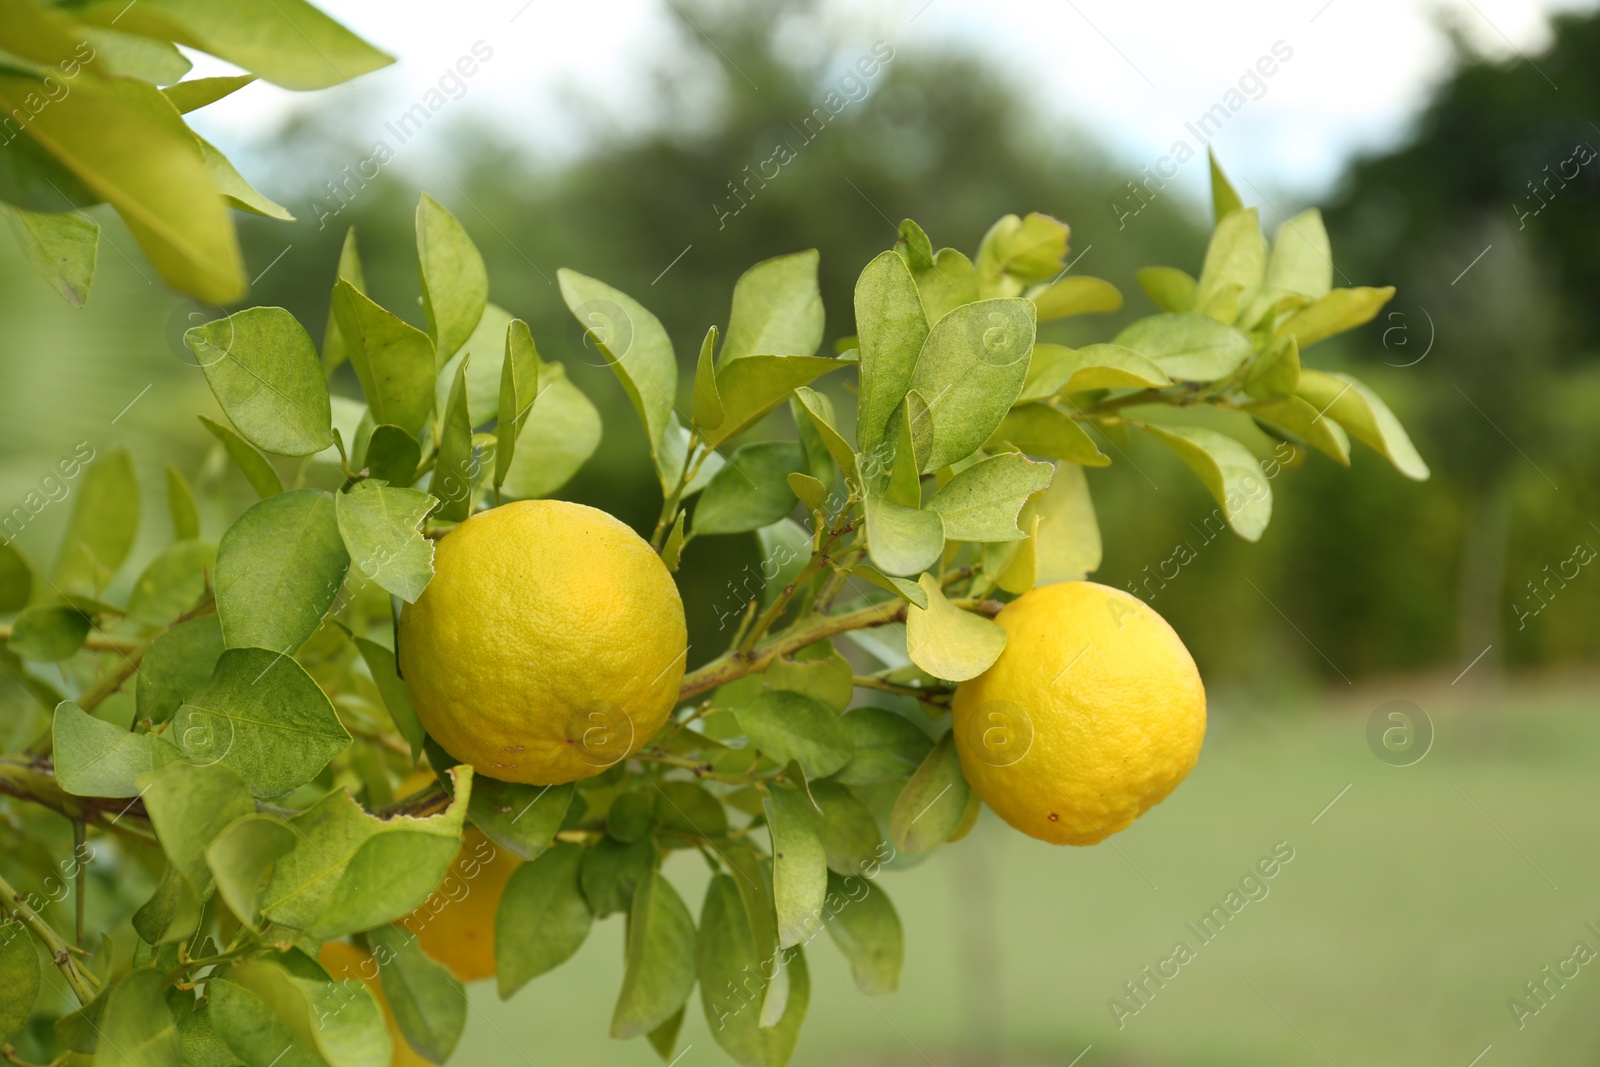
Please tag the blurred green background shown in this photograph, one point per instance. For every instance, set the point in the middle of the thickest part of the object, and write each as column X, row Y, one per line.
column 1420, row 903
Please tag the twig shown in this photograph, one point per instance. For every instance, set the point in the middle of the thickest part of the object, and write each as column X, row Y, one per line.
column 59, row 953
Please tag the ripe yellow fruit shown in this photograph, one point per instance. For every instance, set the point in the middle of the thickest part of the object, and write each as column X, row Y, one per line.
column 455, row 926
column 344, row 961
column 1091, row 716
column 548, row 646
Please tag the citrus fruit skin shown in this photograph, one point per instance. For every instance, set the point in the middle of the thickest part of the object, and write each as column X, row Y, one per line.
column 549, row 645
column 344, row 961
column 455, row 926
column 1091, row 716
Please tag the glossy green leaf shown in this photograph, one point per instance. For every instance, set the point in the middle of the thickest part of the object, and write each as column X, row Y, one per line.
column 1079, row 294
column 381, row 528
column 48, row 633
column 1040, row 430
column 1189, row 347
column 429, row 1005
column 264, row 371
column 970, row 371
column 751, row 387
column 352, row 871
column 777, row 309
column 891, row 329
column 256, row 468
column 137, row 1030
column 1336, row 312
column 62, row 248
column 380, row 663
column 867, row 930
column 455, row 284
column 982, row 502
column 1170, row 288
column 1361, row 411
column 189, row 805
column 902, row 541
column 542, row 919
column 241, row 855
column 633, row 342
column 948, row 642
column 888, row 747
column 19, row 977
column 172, row 583
column 727, row 956
column 95, row 758
column 929, row 808
column 660, row 969
column 787, row 725
column 1302, row 258
column 750, row 491
column 393, row 360
column 102, row 526
column 177, row 665
column 1229, row 471
column 279, row 567
column 799, row 865
column 1056, row 369
column 1067, row 539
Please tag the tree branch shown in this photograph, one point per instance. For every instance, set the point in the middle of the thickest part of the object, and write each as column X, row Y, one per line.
column 79, row 981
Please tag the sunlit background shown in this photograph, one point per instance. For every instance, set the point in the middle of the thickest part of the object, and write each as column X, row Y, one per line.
column 1451, row 147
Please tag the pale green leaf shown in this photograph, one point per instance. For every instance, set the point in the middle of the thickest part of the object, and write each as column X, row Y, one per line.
column 95, row 758
column 252, row 1031
column 264, row 371
column 1077, row 295
column 867, row 930
column 799, row 865
column 1302, row 258
column 1019, row 251
column 452, row 479
column 428, row 1004
column 48, row 633
column 823, row 674
column 1236, row 259
column 380, row 663
column 1187, row 346
column 848, row 830
column 1361, row 411
column 902, row 541
column 340, row 1020
column 392, row 455
column 948, row 642
column 181, row 506
column 1224, row 200
column 708, row 412
column 236, row 191
column 660, row 969
column 102, row 526
column 951, row 282
column 1057, row 369
column 1298, row 417
column 982, row 502
column 137, row 1030
column 455, row 284
column 634, row 344
column 752, row 386
column 888, row 747
column 542, row 919
column 519, row 389
column 189, row 805
column 562, row 432
column 334, row 349
column 177, row 664
column 777, row 309
column 970, row 371
column 241, row 855
column 929, row 808
column 279, row 567
column 522, row 819
column 728, row 953
column 172, row 913
column 257, row 469
column 891, row 329
column 196, row 93
column 1067, row 538
column 380, row 526
column 819, row 413
column 173, row 583
column 393, row 360
column 1042, row 430
column 19, row 977
column 62, row 248
column 1276, row 372
column 1229, row 472
column 901, row 587
column 1170, row 288
column 786, row 725
column 1336, row 312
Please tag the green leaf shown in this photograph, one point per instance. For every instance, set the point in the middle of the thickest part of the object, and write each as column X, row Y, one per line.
column 660, row 959
column 257, row 469
column 264, row 371
column 612, row 871
column 1077, row 295
column 1189, row 347
column 750, row 491
column 102, row 526
column 1296, row 416
column 948, row 642
column 340, row 1020
column 1170, row 288
column 350, row 870
column 672, row 547
column 196, row 93
column 799, row 864
column 1302, row 258
column 128, row 144
column 708, row 412
column 951, row 282
column 95, row 758
column 334, row 349
column 286, row 42
column 279, row 567
column 786, row 726
column 902, row 540
column 455, row 284
column 633, row 342
column 236, row 191
column 1229, row 472
column 252, row 1031
column 888, row 747
column 172, row 583
column 202, row 1047
column 970, row 371
column 177, row 664
column 16, row 580
column 1067, row 539
column 519, row 388
column 1276, row 372
column 982, row 502
column 562, row 432
column 393, row 360
column 137, row 1030
column 891, row 329
column 664, row 1038
column 381, row 528
column 777, row 309
column 1336, row 312
column 60, row 247
column 171, row 914
column 911, row 432
column 1361, row 411
column 392, row 455
column 1039, row 430
column 189, row 805
column 929, row 808
column 727, row 955
column 752, row 386
column 128, row 55
column 48, row 633
column 1224, row 201
column 1056, row 369
column 1018, row 251
column 429, row 1005
column 454, row 466
column 630, row 816
column 867, row 930
column 686, row 808
column 1236, row 259
column 241, row 855
column 80, row 1030
column 847, row 828
column 181, row 506
column 542, row 919
column 819, row 413
column 380, row 663
column 19, row 977
column 265, row 717
column 827, row 677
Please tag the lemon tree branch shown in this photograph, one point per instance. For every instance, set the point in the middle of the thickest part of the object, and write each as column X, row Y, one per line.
column 81, row 983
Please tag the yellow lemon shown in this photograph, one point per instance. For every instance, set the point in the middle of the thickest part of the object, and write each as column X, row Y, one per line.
column 548, row 646
column 1091, row 716
column 343, row 961
column 455, row 926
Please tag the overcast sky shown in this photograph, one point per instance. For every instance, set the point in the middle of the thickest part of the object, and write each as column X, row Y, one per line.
column 1346, row 75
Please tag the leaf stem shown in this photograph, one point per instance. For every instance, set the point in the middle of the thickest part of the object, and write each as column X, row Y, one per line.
column 59, row 953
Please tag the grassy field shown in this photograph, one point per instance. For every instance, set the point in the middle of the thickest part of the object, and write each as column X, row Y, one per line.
column 1414, row 908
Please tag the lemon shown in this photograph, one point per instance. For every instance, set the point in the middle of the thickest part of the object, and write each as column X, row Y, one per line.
column 548, row 646
column 1092, row 715
column 455, row 926
column 343, row 961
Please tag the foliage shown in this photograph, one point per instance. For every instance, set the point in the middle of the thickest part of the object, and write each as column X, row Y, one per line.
column 266, row 776
column 94, row 99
